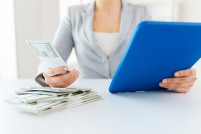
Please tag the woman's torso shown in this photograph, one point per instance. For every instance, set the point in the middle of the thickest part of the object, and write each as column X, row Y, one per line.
column 92, row 60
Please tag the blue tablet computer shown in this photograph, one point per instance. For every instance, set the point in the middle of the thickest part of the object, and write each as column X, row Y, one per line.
column 156, row 51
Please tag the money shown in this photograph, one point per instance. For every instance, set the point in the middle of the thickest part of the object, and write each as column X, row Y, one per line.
column 31, row 98
column 38, row 92
column 82, row 102
column 38, row 108
column 54, row 90
column 42, row 100
column 46, row 53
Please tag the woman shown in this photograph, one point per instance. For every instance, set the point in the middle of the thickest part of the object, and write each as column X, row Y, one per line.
column 100, row 32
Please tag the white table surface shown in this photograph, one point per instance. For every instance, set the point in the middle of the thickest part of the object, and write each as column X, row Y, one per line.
column 127, row 113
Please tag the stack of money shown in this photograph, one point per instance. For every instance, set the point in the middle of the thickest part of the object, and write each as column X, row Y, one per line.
column 41, row 100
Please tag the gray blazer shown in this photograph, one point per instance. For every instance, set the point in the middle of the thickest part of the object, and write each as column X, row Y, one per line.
column 76, row 30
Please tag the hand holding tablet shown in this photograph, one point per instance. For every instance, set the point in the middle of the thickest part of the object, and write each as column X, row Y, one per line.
column 156, row 51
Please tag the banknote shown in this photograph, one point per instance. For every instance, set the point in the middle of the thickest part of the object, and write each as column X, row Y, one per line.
column 31, row 98
column 58, row 107
column 65, row 98
column 18, row 92
column 38, row 108
column 60, row 90
column 43, row 107
column 46, row 53
column 37, row 101
column 79, row 102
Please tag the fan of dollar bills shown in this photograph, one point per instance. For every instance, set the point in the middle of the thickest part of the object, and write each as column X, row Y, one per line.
column 41, row 100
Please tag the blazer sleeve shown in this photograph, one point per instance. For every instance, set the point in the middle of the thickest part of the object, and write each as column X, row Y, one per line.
column 62, row 41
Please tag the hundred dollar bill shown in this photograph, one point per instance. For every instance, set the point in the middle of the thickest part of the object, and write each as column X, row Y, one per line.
column 84, row 98
column 58, row 98
column 18, row 92
column 56, row 90
column 57, row 107
column 80, row 95
column 46, row 53
column 45, row 107
column 31, row 98
column 76, row 103
column 39, row 100
column 38, row 108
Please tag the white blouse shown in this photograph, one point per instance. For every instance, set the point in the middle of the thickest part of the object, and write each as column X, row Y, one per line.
column 106, row 41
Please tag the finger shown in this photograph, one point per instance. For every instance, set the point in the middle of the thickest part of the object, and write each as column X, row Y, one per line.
column 45, row 75
column 177, row 85
column 180, row 80
column 187, row 72
column 71, row 80
column 60, row 81
column 71, row 75
column 181, row 90
column 47, row 79
column 56, row 71
column 177, row 89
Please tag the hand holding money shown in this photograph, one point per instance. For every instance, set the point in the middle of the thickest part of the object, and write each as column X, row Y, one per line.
column 58, row 74
column 57, row 77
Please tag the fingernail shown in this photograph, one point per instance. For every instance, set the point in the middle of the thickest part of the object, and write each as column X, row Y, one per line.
column 160, row 84
column 164, row 81
column 176, row 74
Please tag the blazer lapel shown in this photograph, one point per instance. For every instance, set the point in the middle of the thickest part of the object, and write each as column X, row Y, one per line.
column 87, row 18
column 126, row 20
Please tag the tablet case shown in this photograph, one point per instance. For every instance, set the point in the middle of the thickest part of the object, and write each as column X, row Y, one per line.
column 155, row 52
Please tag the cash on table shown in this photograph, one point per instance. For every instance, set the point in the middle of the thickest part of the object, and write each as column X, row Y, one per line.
column 41, row 100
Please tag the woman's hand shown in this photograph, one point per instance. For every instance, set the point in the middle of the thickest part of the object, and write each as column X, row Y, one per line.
column 182, row 82
column 57, row 77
